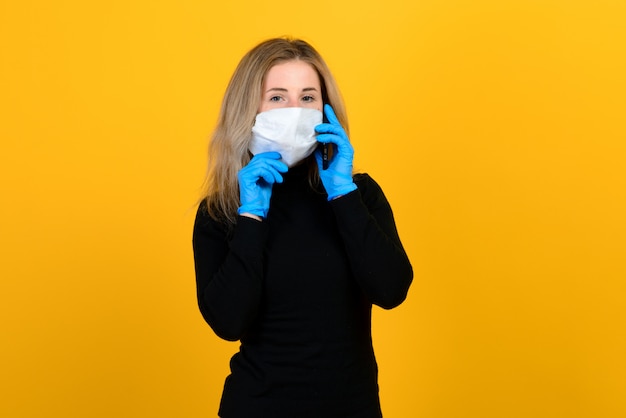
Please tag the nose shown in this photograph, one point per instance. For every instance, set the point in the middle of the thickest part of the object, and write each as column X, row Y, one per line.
column 293, row 101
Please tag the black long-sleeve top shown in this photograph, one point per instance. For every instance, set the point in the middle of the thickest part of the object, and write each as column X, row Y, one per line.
column 297, row 289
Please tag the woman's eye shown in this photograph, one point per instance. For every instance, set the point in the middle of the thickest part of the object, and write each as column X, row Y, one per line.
column 308, row 98
column 275, row 99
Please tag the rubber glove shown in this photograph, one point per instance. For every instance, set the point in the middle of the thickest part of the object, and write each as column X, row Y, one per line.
column 337, row 178
column 256, row 180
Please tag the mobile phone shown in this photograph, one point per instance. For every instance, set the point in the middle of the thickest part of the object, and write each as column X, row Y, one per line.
column 324, row 148
column 324, row 156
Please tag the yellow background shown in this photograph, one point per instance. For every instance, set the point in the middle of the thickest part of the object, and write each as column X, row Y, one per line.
column 496, row 129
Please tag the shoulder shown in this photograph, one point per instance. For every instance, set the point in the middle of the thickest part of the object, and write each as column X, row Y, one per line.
column 364, row 180
column 367, row 185
column 204, row 222
column 371, row 192
column 202, row 213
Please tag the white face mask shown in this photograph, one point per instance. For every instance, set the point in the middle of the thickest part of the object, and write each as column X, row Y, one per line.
column 289, row 131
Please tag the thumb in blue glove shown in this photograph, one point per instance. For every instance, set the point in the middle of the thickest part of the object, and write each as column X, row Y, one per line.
column 337, row 178
column 256, row 180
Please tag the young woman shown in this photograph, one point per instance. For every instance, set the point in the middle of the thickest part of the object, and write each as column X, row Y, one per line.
column 291, row 249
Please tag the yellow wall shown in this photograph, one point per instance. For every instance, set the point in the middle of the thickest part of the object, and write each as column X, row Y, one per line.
column 495, row 127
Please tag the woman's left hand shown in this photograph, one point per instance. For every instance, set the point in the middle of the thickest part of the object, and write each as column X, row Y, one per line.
column 337, row 178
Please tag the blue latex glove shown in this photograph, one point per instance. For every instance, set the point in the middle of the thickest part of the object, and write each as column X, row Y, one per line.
column 256, row 180
column 337, row 178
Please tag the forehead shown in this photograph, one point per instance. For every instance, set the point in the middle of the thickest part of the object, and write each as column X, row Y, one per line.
column 292, row 73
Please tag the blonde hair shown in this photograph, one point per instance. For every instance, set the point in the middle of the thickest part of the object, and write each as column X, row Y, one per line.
column 228, row 148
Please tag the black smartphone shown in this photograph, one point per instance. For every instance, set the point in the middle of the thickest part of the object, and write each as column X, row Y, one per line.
column 325, row 148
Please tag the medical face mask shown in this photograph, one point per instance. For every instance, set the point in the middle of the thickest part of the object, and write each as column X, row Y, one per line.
column 289, row 131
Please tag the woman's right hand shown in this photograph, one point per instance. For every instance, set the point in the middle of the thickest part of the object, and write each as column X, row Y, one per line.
column 255, row 183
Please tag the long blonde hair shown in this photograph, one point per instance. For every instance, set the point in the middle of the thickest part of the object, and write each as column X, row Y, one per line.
column 228, row 148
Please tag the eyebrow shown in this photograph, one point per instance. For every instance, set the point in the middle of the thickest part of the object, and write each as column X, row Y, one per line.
column 285, row 90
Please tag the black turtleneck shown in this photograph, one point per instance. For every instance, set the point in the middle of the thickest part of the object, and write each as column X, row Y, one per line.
column 297, row 290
